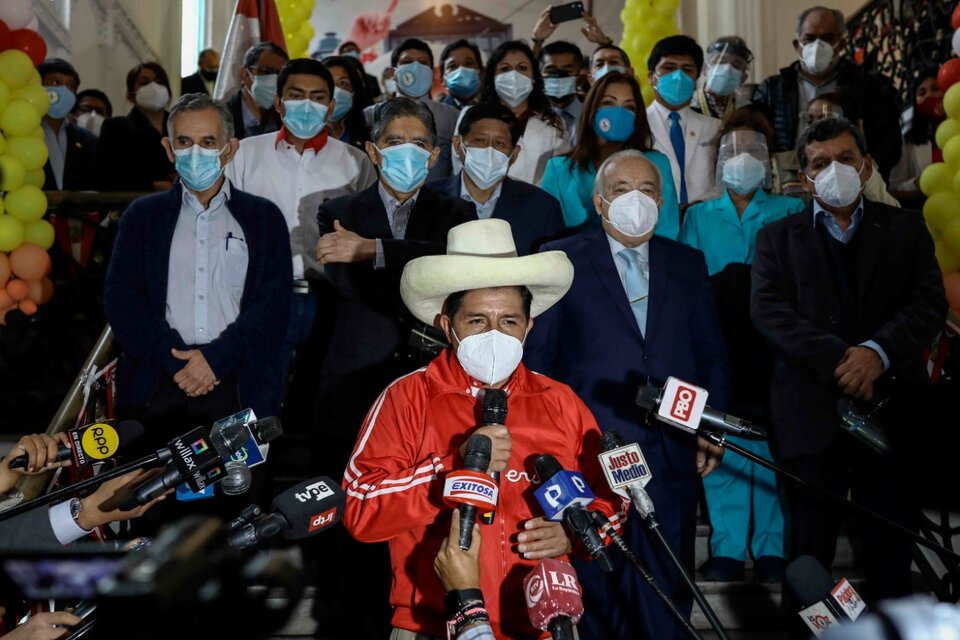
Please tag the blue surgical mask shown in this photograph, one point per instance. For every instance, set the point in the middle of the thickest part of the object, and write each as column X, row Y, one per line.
column 344, row 100
column 263, row 89
column 607, row 68
column 304, row 118
column 560, row 87
column 485, row 165
column 723, row 79
column 462, row 82
column 352, row 54
column 414, row 79
column 676, row 87
column 199, row 168
column 743, row 173
column 614, row 124
column 404, row 166
column 62, row 101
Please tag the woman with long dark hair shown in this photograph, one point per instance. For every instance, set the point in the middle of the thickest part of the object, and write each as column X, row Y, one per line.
column 919, row 146
column 346, row 122
column 613, row 119
column 512, row 77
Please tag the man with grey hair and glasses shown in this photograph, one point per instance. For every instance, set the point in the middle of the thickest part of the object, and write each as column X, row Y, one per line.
column 823, row 66
column 198, row 288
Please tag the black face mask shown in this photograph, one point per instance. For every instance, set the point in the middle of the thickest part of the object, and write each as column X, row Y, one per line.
column 209, row 76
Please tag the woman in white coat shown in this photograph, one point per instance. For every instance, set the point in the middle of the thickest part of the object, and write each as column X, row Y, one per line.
column 512, row 77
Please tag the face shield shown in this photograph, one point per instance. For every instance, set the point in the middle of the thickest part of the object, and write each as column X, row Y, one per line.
column 724, row 70
column 742, row 143
column 821, row 109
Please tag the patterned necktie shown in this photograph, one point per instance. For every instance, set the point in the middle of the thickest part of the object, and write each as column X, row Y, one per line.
column 680, row 151
column 637, row 286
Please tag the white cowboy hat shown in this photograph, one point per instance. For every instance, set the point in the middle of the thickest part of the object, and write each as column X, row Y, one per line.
column 480, row 255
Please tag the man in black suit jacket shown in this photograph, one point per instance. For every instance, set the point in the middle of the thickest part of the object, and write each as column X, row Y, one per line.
column 71, row 163
column 487, row 145
column 208, row 64
column 366, row 240
column 849, row 294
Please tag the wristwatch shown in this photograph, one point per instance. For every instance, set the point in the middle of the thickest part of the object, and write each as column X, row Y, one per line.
column 75, row 508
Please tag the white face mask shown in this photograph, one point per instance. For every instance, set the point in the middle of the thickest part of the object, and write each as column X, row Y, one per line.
column 91, row 121
column 633, row 214
column 839, row 184
column 816, row 56
column 490, row 357
column 485, row 165
column 152, row 97
column 513, row 88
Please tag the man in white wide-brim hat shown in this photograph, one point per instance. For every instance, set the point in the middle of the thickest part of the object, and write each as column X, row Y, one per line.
column 484, row 298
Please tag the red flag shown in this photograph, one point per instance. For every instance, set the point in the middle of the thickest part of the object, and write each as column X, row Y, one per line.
column 253, row 21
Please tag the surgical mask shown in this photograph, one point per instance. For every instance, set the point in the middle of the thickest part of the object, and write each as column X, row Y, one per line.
column 839, row 184
column 490, row 357
column 199, row 168
column 404, row 166
column 607, row 68
column 352, row 54
column 634, row 214
column 462, row 82
column 816, row 56
column 743, row 173
column 390, row 86
column 344, row 100
column 152, row 97
column 304, row 118
column 61, row 101
column 560, row 87
column 263, row 89
column 210, row 75
column 485, row 165
column 513, row 88
column 414, row 79
column 91, row 121
column 614, row 124
column 676, row 87
column 723, row 79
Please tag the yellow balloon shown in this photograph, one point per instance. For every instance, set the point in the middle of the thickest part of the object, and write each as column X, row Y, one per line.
column 945, row 258
column 935, row 178
column 34, row 94
column 941, row 209
column 37, row 133
column 19, row 118
column 16, row 68
column 947, row 129
column 29, row 150
column 3, row 143
column 12, row 173
column 36, row 178
column 4, row 95
column 951, row 236
column 35, row 77
column 951, row 153
column 951, row 102
column 11, row 233
column 40, row 233
column 26, row 204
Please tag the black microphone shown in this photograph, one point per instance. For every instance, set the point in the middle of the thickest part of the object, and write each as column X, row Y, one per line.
column 577, row 519
column 301, row 511
column 680, row 399
column 494, row 413
column 92, row 443
column 476, row 458
column 824, row 602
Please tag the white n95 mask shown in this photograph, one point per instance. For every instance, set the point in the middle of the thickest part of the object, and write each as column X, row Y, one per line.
column 839, row 184
column 490, row 357
column 633, row 214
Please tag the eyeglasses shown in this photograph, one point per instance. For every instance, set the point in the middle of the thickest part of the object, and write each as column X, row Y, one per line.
column 257, row 70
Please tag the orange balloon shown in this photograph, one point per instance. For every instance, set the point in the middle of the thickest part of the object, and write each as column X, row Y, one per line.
column 27, row 306
column 4, row 268
column 30, row 262
column 40, row 290
column 17, row 289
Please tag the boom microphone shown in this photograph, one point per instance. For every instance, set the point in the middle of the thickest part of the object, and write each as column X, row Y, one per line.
column 684, row 405
column 302, row 511
column 554, row 598
column 92, row 443
column 494, row 413
column 825, row 603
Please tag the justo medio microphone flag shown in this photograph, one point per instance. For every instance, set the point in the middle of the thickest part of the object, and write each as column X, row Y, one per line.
column 623, row 466
column 682, row 404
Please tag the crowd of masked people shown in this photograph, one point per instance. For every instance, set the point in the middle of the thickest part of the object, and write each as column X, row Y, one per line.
column 378, row 258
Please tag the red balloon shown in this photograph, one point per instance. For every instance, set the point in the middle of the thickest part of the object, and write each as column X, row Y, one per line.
column 30, row 43
column 955, row 19
column 948, row 75
column 5, row 41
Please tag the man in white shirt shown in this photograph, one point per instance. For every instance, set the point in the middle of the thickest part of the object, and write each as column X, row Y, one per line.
column 298, row 169
column 683, row 135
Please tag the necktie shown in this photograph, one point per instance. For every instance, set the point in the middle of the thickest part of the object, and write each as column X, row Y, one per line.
column 637, row 286
column 680, row 151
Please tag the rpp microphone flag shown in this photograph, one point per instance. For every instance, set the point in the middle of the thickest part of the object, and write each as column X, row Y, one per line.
column 92, row 443
column 554, row 598
column 824, row 603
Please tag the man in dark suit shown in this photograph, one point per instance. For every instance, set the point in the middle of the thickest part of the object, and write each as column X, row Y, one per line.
column 208, row 64
column 640, row 310
column 71, row 149
column 849, row 294
column 366, row 240
column 252, row 106
column 487, row 146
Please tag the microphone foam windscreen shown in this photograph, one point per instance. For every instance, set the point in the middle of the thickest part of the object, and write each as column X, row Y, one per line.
column 266, row 429
column 310, row 506
column 494, row 406
column 129, row 431
column 809, row 580
column 611, row 440
column 547, row 466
